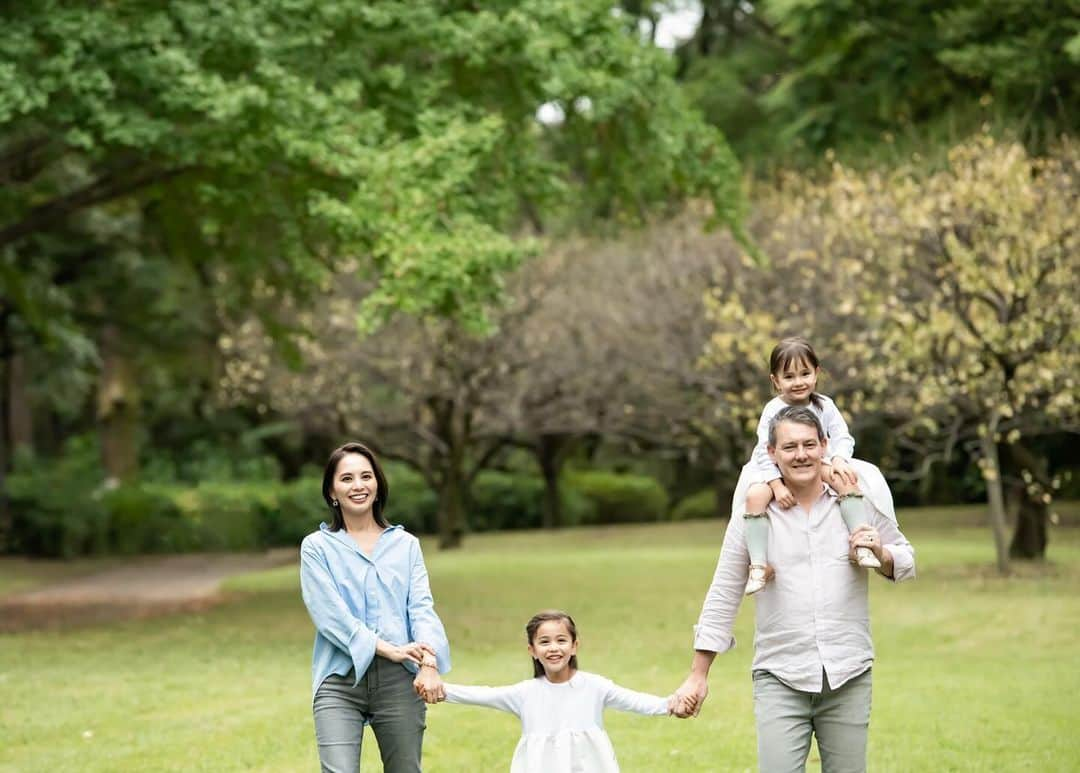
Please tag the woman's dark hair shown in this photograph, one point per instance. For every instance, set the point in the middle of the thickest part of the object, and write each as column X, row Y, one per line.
column 382, row 493
column 794, row 350
column 546, row 616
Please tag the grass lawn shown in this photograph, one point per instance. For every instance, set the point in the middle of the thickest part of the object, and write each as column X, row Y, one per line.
column 974, row 673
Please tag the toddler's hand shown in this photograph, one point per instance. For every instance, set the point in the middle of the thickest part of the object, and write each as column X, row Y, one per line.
column 783, row 496
column 842, row 472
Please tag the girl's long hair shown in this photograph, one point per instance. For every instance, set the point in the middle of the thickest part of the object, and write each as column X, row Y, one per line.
column 382, row 495
column 795, row 349
column 544, row 617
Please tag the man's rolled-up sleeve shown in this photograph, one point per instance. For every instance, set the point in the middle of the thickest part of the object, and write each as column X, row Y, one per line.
column 713, row 632
column 902, row 552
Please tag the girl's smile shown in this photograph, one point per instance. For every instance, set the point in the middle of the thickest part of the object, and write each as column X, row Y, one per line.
column 553, row 645
column 796, row 382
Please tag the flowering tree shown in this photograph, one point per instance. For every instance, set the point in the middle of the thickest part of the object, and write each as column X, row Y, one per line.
column 950, row 299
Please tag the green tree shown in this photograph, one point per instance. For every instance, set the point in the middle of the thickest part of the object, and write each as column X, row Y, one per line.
column 249, row 153
column 790, row 78
column 944, row 299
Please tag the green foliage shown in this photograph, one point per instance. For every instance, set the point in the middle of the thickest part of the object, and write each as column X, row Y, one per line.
column 206, row 460
column 413, row 503
column 144, row 519
column 251, row 149
column 699, row 505
column 55, row 516
column 621, row 498
column 787, row 79
column 56, row 504
column 503, row 500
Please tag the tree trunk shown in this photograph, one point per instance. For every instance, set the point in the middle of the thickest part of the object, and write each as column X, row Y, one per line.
column 451, row 509
column 550, row 453
column 6, row 520
column 995, row 497
column 20, row 418
column 1032, row 513
column 1029, row 536
column 117, row 410
column 5, row 509
column 451, row 426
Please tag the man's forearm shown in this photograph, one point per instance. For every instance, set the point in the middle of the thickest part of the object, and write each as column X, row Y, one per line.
column 886, row 559
column 702, row 662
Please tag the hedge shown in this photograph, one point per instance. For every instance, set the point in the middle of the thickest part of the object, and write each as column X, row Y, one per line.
column 62, row 510
column 620, row 498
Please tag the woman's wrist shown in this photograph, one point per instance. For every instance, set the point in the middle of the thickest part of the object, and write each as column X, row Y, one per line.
column 429, row 662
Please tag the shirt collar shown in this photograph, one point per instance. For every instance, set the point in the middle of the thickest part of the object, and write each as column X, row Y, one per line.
column 343, row 537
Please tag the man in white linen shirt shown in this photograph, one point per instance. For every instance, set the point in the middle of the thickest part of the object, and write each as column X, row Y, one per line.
column 812, row 647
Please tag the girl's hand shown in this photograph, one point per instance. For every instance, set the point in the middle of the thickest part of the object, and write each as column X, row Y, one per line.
column 783, row 497
column 842, row 471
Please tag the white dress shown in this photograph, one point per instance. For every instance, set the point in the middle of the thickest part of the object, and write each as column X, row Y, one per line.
column 562, row 725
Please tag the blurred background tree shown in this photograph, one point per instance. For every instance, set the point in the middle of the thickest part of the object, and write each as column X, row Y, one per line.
column 787, row 79
column 478, row 236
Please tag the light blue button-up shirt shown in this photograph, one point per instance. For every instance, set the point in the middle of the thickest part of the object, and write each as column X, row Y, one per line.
column 354, row 600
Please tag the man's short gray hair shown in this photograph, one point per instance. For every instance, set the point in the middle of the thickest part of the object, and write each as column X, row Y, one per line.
column 798, row 414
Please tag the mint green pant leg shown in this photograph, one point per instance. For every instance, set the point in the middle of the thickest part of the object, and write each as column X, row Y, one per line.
column 784, row 725
column 787, row 719
column 757, row 538
column 853, row 511
column 842, row 725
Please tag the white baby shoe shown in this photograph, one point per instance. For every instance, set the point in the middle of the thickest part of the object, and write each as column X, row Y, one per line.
column 756, row 580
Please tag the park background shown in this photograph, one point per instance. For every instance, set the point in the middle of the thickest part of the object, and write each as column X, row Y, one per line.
column 535, row 253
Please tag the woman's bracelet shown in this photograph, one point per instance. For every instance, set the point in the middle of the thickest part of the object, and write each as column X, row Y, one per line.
column 851, row 495
column 429, row 663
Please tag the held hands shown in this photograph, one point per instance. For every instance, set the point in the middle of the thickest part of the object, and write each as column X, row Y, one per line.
column 688, row 699
column 783, row 497
column 428, row 684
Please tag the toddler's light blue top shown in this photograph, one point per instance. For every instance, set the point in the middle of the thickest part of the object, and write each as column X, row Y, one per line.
column 354, row 599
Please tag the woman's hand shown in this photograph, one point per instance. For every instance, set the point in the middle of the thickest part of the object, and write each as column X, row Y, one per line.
column 413, row 652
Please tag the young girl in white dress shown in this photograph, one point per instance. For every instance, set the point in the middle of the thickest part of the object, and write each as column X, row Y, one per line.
column 561, row 708
column 793, row 369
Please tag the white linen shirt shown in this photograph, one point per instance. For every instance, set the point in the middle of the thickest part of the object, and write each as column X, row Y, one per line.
column 815, row 614
column 841, row 443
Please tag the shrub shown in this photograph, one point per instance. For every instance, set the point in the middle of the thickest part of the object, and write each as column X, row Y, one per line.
column 413, row 504
column 699, row 505
column 620, row 498
column 56, row 504
column 144, row 518
column 296, row 511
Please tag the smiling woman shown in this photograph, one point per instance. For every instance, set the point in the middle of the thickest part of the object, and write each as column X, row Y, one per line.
column 379, row 643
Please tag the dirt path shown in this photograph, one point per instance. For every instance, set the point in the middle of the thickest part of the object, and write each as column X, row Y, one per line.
column 140, row 588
